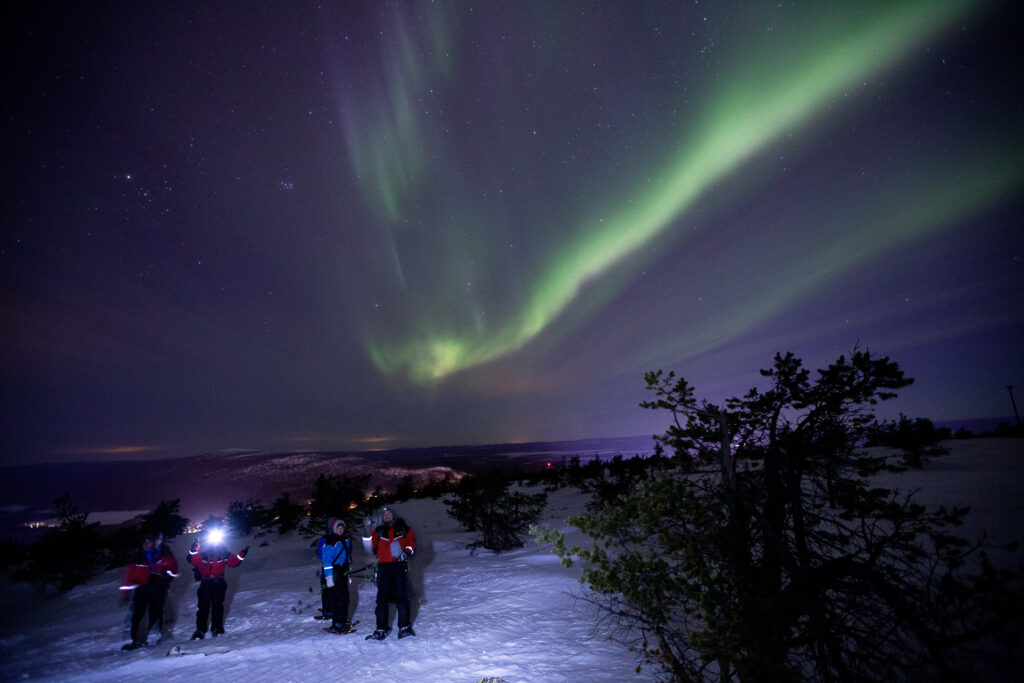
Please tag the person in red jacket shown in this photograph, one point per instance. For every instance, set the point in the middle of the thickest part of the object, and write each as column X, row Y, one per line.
column 393, row 542
column 146, row 575
column 211, row 565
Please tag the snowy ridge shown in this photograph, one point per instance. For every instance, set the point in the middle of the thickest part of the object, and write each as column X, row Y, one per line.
column 515, row 617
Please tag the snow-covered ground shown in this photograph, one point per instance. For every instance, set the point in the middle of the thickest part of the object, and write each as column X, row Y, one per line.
column 512, row 616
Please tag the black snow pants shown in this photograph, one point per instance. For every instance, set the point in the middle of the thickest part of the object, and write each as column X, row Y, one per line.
column 337, row 599
column 392, row 586
column 158, row 601
column 146, row 598
column 211, row 596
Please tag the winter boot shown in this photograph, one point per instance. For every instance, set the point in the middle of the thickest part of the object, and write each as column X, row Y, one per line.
column 218, row 631
column 379, row 634
column 134, row 645
column 198, row 635
column 405, row 631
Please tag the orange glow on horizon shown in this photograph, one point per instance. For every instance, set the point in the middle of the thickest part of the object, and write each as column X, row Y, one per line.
column 111, row 450
column 375, row 439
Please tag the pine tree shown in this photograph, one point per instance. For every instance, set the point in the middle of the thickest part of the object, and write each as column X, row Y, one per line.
column 71, row 553
column 285, row 514
column 766, row 554
column 244, row 516
column 484, row 503
column 165, row 519
column 336, row 496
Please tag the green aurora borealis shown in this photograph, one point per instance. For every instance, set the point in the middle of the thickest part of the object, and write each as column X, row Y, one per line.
column 379, row 224
column 762, row 95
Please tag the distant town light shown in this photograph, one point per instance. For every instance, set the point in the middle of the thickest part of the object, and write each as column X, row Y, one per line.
column 42, row 525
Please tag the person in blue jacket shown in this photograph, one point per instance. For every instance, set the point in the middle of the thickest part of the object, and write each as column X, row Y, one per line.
column 335, row 551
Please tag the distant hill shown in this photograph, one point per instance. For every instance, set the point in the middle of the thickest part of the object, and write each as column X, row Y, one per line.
column 978, row 426
column 207, row 483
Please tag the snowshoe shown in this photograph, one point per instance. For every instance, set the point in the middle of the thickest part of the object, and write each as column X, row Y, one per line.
column 348, row 624
column 198, row 635
column 405, row 632
column 379, row 634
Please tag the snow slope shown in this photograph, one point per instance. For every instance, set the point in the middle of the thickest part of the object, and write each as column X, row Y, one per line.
column 512, row 616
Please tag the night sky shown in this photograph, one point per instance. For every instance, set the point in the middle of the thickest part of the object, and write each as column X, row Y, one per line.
column 356, row 225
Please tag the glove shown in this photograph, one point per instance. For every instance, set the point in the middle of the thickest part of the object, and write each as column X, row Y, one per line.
column 195, row 548
column 330, row 580
column 406, row 554
column 244, row 551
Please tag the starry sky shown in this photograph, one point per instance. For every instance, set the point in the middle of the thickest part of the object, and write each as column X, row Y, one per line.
column 365, row 225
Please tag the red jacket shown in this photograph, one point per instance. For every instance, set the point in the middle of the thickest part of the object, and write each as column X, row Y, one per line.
column 163, row 566
column 166, row 564
column 135, row 574
column 214, row 566
column 383, row 538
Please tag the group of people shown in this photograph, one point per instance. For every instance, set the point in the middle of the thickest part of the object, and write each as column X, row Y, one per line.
column 149, row 575
column 392, row 543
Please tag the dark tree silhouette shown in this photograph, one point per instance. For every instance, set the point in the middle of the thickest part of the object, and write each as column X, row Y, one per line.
column 165, row 519
column 284, row 514
column 484, row 503
column 766, row 554
column 336, row 496
column 244, row 516
column 918, row 439
column 70, row 554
